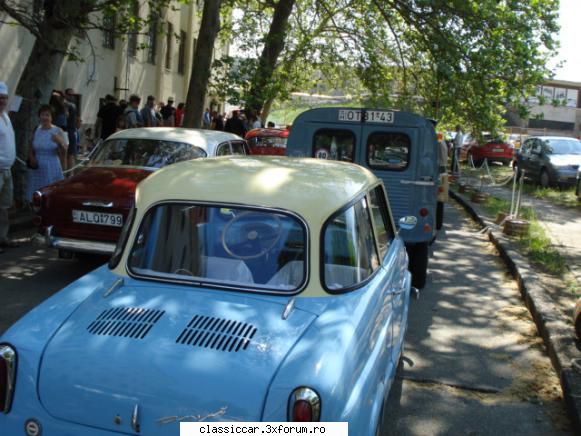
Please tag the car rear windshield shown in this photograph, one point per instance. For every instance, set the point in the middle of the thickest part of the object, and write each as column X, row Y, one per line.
column 144, row 152
column 564, row 146
column 268, row 141
column 258, row 250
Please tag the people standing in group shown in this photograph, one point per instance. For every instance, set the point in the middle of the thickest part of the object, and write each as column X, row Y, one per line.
column 180, row 114
column 168, row 112
column 458, row 141
column 71, row 130
column 48, row 143
column 148, row 113
column 132, row 114
column 120, row 123
column 7, row 158
column 107, row 118
column 59, row 109
column 217, row 121
column 235, row 125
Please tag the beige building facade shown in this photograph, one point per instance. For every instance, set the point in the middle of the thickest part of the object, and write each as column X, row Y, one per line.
column 118, row 66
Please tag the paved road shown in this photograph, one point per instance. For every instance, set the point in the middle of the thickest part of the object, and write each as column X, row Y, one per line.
column 473, row 363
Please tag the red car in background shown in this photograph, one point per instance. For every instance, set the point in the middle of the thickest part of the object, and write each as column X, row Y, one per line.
column 86, row 212
column 270, row 142
column 494, row 150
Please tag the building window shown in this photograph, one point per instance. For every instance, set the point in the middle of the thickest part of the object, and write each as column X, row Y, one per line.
column 132, row 36
column 109, row 22
column 152, row 40
column 168, row 43
column 182, row 53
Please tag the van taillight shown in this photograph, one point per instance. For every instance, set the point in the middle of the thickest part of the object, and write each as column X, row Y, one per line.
column 304, row 406
column 424, row 211
column 7, row 376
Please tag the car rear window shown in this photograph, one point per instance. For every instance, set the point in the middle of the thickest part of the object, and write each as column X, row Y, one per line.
column 334, row 144
column 257, row 250
column 349, row 253
column 268, row 141
column 388, row 150
column 144, row 152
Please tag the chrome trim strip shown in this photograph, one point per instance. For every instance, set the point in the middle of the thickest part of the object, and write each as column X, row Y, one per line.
column 94, row 247
column 8, row 354
column 416, row 182
column 97, row 204
column 135, row 419
column 288, row 308
column 116, row 285
column 308, row 395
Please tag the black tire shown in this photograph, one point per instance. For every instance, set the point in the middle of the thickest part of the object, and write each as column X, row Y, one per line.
column 439, row 215
column 544, row 179
column 418, row 266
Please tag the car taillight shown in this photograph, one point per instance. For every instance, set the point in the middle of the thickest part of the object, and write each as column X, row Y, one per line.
column 7, row 377
column 424, row 212
column 304, row 406
column 36, row 201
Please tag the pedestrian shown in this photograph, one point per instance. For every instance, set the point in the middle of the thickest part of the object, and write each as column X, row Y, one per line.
column 7, row 157
column 168, row 112
column 256, row 120
column 120, row 123
column 235, row 125
column 217, row 121
column 270, row 125
column 148, row 113
column 107, row 118
column 59, row 109
column 132, row 115
column 180, row 114
column 206, row 119
column 72, row 127
column 458, row 140
column 48, row 143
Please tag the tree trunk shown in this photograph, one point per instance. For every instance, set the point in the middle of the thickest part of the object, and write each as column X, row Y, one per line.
column 35, row 87
column 273, row 46
column 266, row 109
column 202, row 64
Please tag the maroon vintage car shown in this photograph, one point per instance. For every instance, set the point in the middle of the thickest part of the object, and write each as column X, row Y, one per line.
column 85, row 213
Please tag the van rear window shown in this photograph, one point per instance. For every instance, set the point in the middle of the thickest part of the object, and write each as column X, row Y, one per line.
column 334, row 144
column 388, row 150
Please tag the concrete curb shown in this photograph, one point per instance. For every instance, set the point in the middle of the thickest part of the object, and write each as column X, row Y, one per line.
column 555, row 329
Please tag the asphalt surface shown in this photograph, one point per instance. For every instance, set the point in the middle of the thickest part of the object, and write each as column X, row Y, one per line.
column 473, row 363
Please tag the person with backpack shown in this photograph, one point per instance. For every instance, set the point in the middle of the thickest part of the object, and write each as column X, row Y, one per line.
column 132, row 115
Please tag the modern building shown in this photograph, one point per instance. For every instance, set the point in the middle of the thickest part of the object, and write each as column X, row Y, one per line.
column 555, row 109
column 155, row 62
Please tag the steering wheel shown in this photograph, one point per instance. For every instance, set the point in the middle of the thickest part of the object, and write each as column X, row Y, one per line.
column 252, row 239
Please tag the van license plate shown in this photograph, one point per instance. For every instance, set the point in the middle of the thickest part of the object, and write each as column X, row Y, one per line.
column 384, row 117
column 98, row 218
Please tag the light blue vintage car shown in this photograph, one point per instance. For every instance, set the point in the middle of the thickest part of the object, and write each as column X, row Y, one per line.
column 242, row 289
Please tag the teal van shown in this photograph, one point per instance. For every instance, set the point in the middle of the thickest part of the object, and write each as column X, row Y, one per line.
column 399, row 147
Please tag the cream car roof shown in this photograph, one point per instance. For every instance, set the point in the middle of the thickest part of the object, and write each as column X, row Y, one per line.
column 207, row 140
column 312, row 188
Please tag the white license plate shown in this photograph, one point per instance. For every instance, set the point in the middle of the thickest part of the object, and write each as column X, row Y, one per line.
column 385, row 117
column 498, row 150
column 98, row 218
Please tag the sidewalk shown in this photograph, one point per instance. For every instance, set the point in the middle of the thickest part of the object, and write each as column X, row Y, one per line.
column 563, row 225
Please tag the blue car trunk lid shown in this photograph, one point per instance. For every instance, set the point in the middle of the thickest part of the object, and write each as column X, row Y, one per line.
column 175, row 354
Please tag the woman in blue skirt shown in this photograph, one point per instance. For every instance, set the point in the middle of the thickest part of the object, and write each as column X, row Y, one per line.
column 47, row 142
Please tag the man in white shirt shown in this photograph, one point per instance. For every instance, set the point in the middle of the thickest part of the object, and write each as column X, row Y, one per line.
column 7, row 157
column 458, row 141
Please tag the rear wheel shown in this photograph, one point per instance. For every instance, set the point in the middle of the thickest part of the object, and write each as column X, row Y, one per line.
column 545, row 181
column 439, row 215
column 418, row 257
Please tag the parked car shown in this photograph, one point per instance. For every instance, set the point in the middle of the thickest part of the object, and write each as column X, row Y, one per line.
column 494, row 150
column 271, row 142
column 399, row 147
column 236, row 303
column 550, row 160
column 85, row 213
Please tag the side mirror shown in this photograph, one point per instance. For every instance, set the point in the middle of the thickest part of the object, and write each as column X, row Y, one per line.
column 407, row 222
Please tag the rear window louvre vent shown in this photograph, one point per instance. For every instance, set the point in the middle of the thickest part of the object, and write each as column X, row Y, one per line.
column 126, row 322
column 217, row 334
